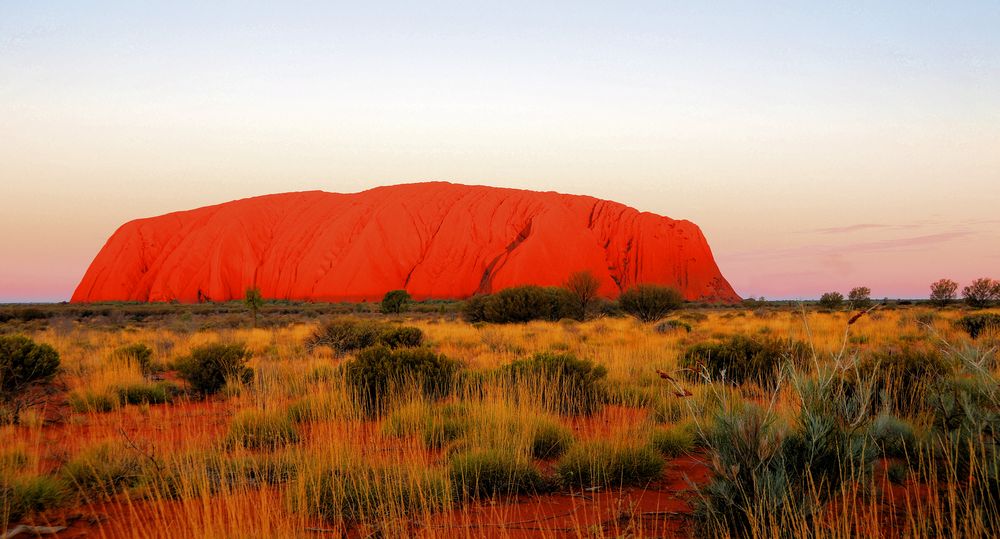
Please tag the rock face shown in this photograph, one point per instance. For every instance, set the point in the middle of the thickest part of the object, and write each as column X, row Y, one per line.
column 436, row 240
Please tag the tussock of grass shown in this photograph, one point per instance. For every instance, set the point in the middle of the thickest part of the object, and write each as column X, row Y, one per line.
column 485, row 473
column 606, row 464
column 255, row 429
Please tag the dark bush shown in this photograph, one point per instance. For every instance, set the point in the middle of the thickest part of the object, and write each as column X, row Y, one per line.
column 740, row 358
column 977, row 324
column 650, row 302
column 22, row 365
column 564, row 383
column 521, row 304
column 394, row 301
column 349, row 334
column 210, row 366
column 831, row 300
column 378, row 372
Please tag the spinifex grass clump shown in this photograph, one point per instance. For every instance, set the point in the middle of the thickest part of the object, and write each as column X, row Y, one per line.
column 22, row 496
column 563, row 383
column 374, row 495
column 979, row 324
column 485, row 473
column 103, row 471
column 673, row 441
column 549, row 439
column 256, row 429
column 349, row 334
column 740, row 359
column 767, row 472
column 901, row 376
column 139, row 355
column 436, row 426
column 606, row 464
column 211, row 366
column 379, row 374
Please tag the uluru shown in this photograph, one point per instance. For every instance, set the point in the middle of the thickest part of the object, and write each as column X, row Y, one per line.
column 435, row 240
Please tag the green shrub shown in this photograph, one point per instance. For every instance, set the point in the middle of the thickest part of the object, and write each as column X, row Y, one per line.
column 603, row 464
column 348, row 335
column 24, row 496
column 901, row 376
column 978, row 324
column 103, row 470
column 650, row 302
column 154, row 393
column 893, row 436
column 549, row 439
column 254, row 429
column 564, row 383
column 450, row 423
column 741, row 359
column 401, row 337
column 493, row 472
column 521, row 304
column 23, row 364
column 378, row 372
column 673, row 441
column 211, row 366
column 394, row 301
column 86, row 401
column 137, row 354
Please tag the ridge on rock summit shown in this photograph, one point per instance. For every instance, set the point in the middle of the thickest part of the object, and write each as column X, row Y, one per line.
column 436, row 240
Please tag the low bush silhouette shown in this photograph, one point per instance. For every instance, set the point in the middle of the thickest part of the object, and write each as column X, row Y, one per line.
column 650, row 302
column 521, row 304
column 977, row 324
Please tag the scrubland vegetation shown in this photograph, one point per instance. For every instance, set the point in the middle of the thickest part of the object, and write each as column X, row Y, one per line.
column 740, row 422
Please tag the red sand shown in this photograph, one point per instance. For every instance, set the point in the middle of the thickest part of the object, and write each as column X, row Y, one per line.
column 436, row 240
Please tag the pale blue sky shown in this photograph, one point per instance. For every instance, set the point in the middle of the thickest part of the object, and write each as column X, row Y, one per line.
column 777, row 127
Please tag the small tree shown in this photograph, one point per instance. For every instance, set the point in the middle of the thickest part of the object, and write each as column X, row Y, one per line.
column 650, row 302
column 394, row 301
column 943, row 292
column 860, row 297
column 831, row 300
column 254, row 301
column 583, row 286
column 981, row 292
column 22, row 365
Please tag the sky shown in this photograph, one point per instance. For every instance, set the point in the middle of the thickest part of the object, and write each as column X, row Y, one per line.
column 818, row 145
